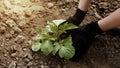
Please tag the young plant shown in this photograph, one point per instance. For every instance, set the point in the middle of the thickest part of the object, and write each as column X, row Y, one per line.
column 49, row 42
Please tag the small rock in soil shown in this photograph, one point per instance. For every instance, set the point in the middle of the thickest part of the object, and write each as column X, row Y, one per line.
column 58, row 66
column 29, row 56
column 29, row 64
column 10, row 23
column 76, row 1
column 46, row 67
column 41, row 62
column 17, row 29
column 12, row 64
column 50, row 5
column 68, row 1
column 2, row 30
column 13, row 54
column 8, row 36
column 29, row 42
column 12, row 32
column 42, row 66
column 19, row 39
column 27, row 60
column 45, row 63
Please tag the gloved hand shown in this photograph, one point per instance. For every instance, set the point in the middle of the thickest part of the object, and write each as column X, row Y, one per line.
column 77, row 18
column 82, row 38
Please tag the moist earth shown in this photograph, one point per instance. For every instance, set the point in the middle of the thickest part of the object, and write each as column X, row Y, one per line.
column 19, row 20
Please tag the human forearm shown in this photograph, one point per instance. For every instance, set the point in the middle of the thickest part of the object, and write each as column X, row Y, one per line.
column 84, row 4
column 111, row 21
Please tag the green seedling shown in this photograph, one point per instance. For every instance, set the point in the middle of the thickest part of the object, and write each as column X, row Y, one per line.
column 48, row 40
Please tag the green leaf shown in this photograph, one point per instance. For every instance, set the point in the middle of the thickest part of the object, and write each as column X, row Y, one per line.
column 47, row 37
column 36, row 38
column 53, row 27
column 44, row 36
column 58, row 22
column 47, row 47
column 70, row 26
column 56, row 48
column 36, row 46
column 66, row 52
column 67, row 26
column 39, row 29
column 67, row 41
column 48, row 29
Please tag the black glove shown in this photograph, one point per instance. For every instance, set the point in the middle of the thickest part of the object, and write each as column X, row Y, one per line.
column 77, row 18
column 82, row 38
column 114, row 32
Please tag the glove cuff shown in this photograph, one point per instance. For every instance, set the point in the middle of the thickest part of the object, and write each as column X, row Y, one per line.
column 78, row 17
column 93, row 29
column 114, row 32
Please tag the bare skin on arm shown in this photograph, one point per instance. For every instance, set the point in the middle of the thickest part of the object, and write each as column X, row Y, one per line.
column 84, row 4
column 111, row 21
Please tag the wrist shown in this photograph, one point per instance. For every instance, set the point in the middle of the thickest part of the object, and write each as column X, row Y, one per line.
column 84, row 4
column 93, row 29
column 79, row 16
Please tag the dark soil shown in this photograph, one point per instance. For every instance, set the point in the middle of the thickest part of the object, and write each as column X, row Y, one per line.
column 18, row 23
